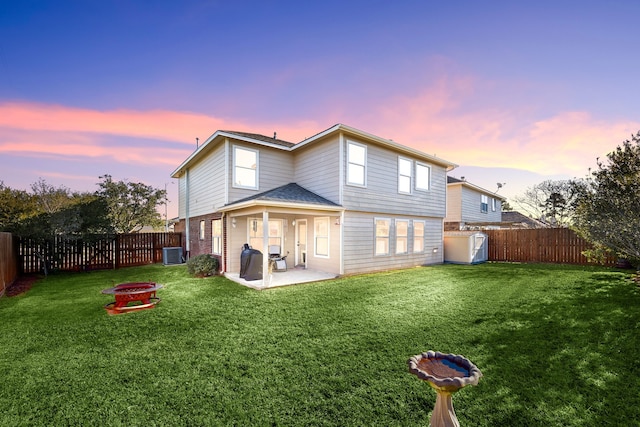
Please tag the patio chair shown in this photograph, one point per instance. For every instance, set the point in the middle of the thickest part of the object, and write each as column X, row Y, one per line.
column 277, row 261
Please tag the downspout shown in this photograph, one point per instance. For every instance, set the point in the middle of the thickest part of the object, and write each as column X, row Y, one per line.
column 266, row 279
column 227, row 182
column 227, row 160
column 341, row 197
column 186, row 214
column 223, row 243
column 341, row 169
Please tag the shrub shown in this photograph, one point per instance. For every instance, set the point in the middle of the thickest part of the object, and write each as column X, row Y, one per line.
column 203, row 265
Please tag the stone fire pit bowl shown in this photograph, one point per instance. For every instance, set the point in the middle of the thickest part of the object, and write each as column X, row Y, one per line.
column 446, row 373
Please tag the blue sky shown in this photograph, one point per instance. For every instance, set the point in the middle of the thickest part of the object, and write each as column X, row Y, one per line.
column 513, row 92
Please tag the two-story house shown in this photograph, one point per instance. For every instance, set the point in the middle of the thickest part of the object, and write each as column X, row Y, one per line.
column 470, row 206
column 342, row 201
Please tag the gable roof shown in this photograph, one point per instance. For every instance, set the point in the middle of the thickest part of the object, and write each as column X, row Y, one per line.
column 262, row 138
column 286, row 195
column 456, row 181
column 219, row 137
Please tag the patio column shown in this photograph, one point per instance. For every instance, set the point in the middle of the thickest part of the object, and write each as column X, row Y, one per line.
column 265, row 248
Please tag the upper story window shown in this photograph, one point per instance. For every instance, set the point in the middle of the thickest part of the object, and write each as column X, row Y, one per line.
column 356, row 164
column 493, row 204
column 245, row 167
column 423, row 176
column 484, row 204
column 405, row 167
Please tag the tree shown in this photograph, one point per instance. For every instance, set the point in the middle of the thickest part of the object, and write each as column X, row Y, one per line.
column 506, row 206
column 131, row 205
column 49, row 198
column 552, row 202
column 608, row 207
column 15, row 206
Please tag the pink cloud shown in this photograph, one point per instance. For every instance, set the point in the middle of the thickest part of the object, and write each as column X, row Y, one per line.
column 436, row 120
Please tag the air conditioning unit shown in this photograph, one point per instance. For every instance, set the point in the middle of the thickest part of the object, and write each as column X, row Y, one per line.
column 172, row 256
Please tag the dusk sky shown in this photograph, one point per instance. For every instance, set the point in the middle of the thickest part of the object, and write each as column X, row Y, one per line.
column 513, row 92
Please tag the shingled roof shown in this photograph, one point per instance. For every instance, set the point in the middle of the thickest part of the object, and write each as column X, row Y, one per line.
column 290, row 193
column 517, row 218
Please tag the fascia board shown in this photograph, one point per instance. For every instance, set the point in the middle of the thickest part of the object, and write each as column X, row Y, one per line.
column 478, row 189
column 381, row 141
column 176, row 173
column 287, row 205
column 399, row 147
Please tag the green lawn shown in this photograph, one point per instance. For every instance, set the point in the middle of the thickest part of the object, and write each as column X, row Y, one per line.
column 558, row 346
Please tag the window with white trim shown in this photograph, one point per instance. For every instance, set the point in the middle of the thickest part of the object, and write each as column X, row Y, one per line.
column 201, row 233
column 418, row 236
column 484, row 203
column 405, row 167
column 402, row 236
column 423, row 177
column 255, row 233
column 216, row 237
column 245, row 167
column 321, row 237
column 382, row 236
column 493, row 204
column 356, row 164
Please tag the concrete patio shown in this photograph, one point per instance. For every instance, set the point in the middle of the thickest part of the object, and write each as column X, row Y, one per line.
column 292, row 276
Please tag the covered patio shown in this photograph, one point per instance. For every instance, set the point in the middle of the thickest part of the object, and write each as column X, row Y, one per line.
column 305, row 229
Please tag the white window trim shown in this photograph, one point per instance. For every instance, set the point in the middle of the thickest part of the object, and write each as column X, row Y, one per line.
column 201, row 230
column 375, row 237
column 215, row 237
column 406, row 236
column 426, row 166
column 315, row 237
column 413, row 240
column 356, row 184
column 484, row 201
column 493, row 204
column 259, row 235
column 233, row 179
column 410, row 176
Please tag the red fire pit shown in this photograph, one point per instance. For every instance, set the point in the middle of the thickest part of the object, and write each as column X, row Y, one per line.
column 141, row 294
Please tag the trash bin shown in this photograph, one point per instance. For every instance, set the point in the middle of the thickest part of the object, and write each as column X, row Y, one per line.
column 250, row 263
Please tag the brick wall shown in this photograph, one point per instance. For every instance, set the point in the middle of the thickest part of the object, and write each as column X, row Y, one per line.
column 197, row 245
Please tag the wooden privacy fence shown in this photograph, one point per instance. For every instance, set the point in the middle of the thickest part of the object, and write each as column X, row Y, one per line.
column 8, row 261
column 100, row 252
column 552, row 245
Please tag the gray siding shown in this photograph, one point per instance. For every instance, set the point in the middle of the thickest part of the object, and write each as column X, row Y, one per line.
column 359, row 242
column 471, row 212
column 206, row 185
column 275, row 168
column 381, row 193
column 454, row 203
column 317, row 168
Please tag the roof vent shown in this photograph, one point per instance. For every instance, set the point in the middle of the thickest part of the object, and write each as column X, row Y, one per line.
column 274, row 135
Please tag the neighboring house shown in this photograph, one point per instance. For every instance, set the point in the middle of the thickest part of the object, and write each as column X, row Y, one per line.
column 471, row 207
column 515, row 219
column 342, row 201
